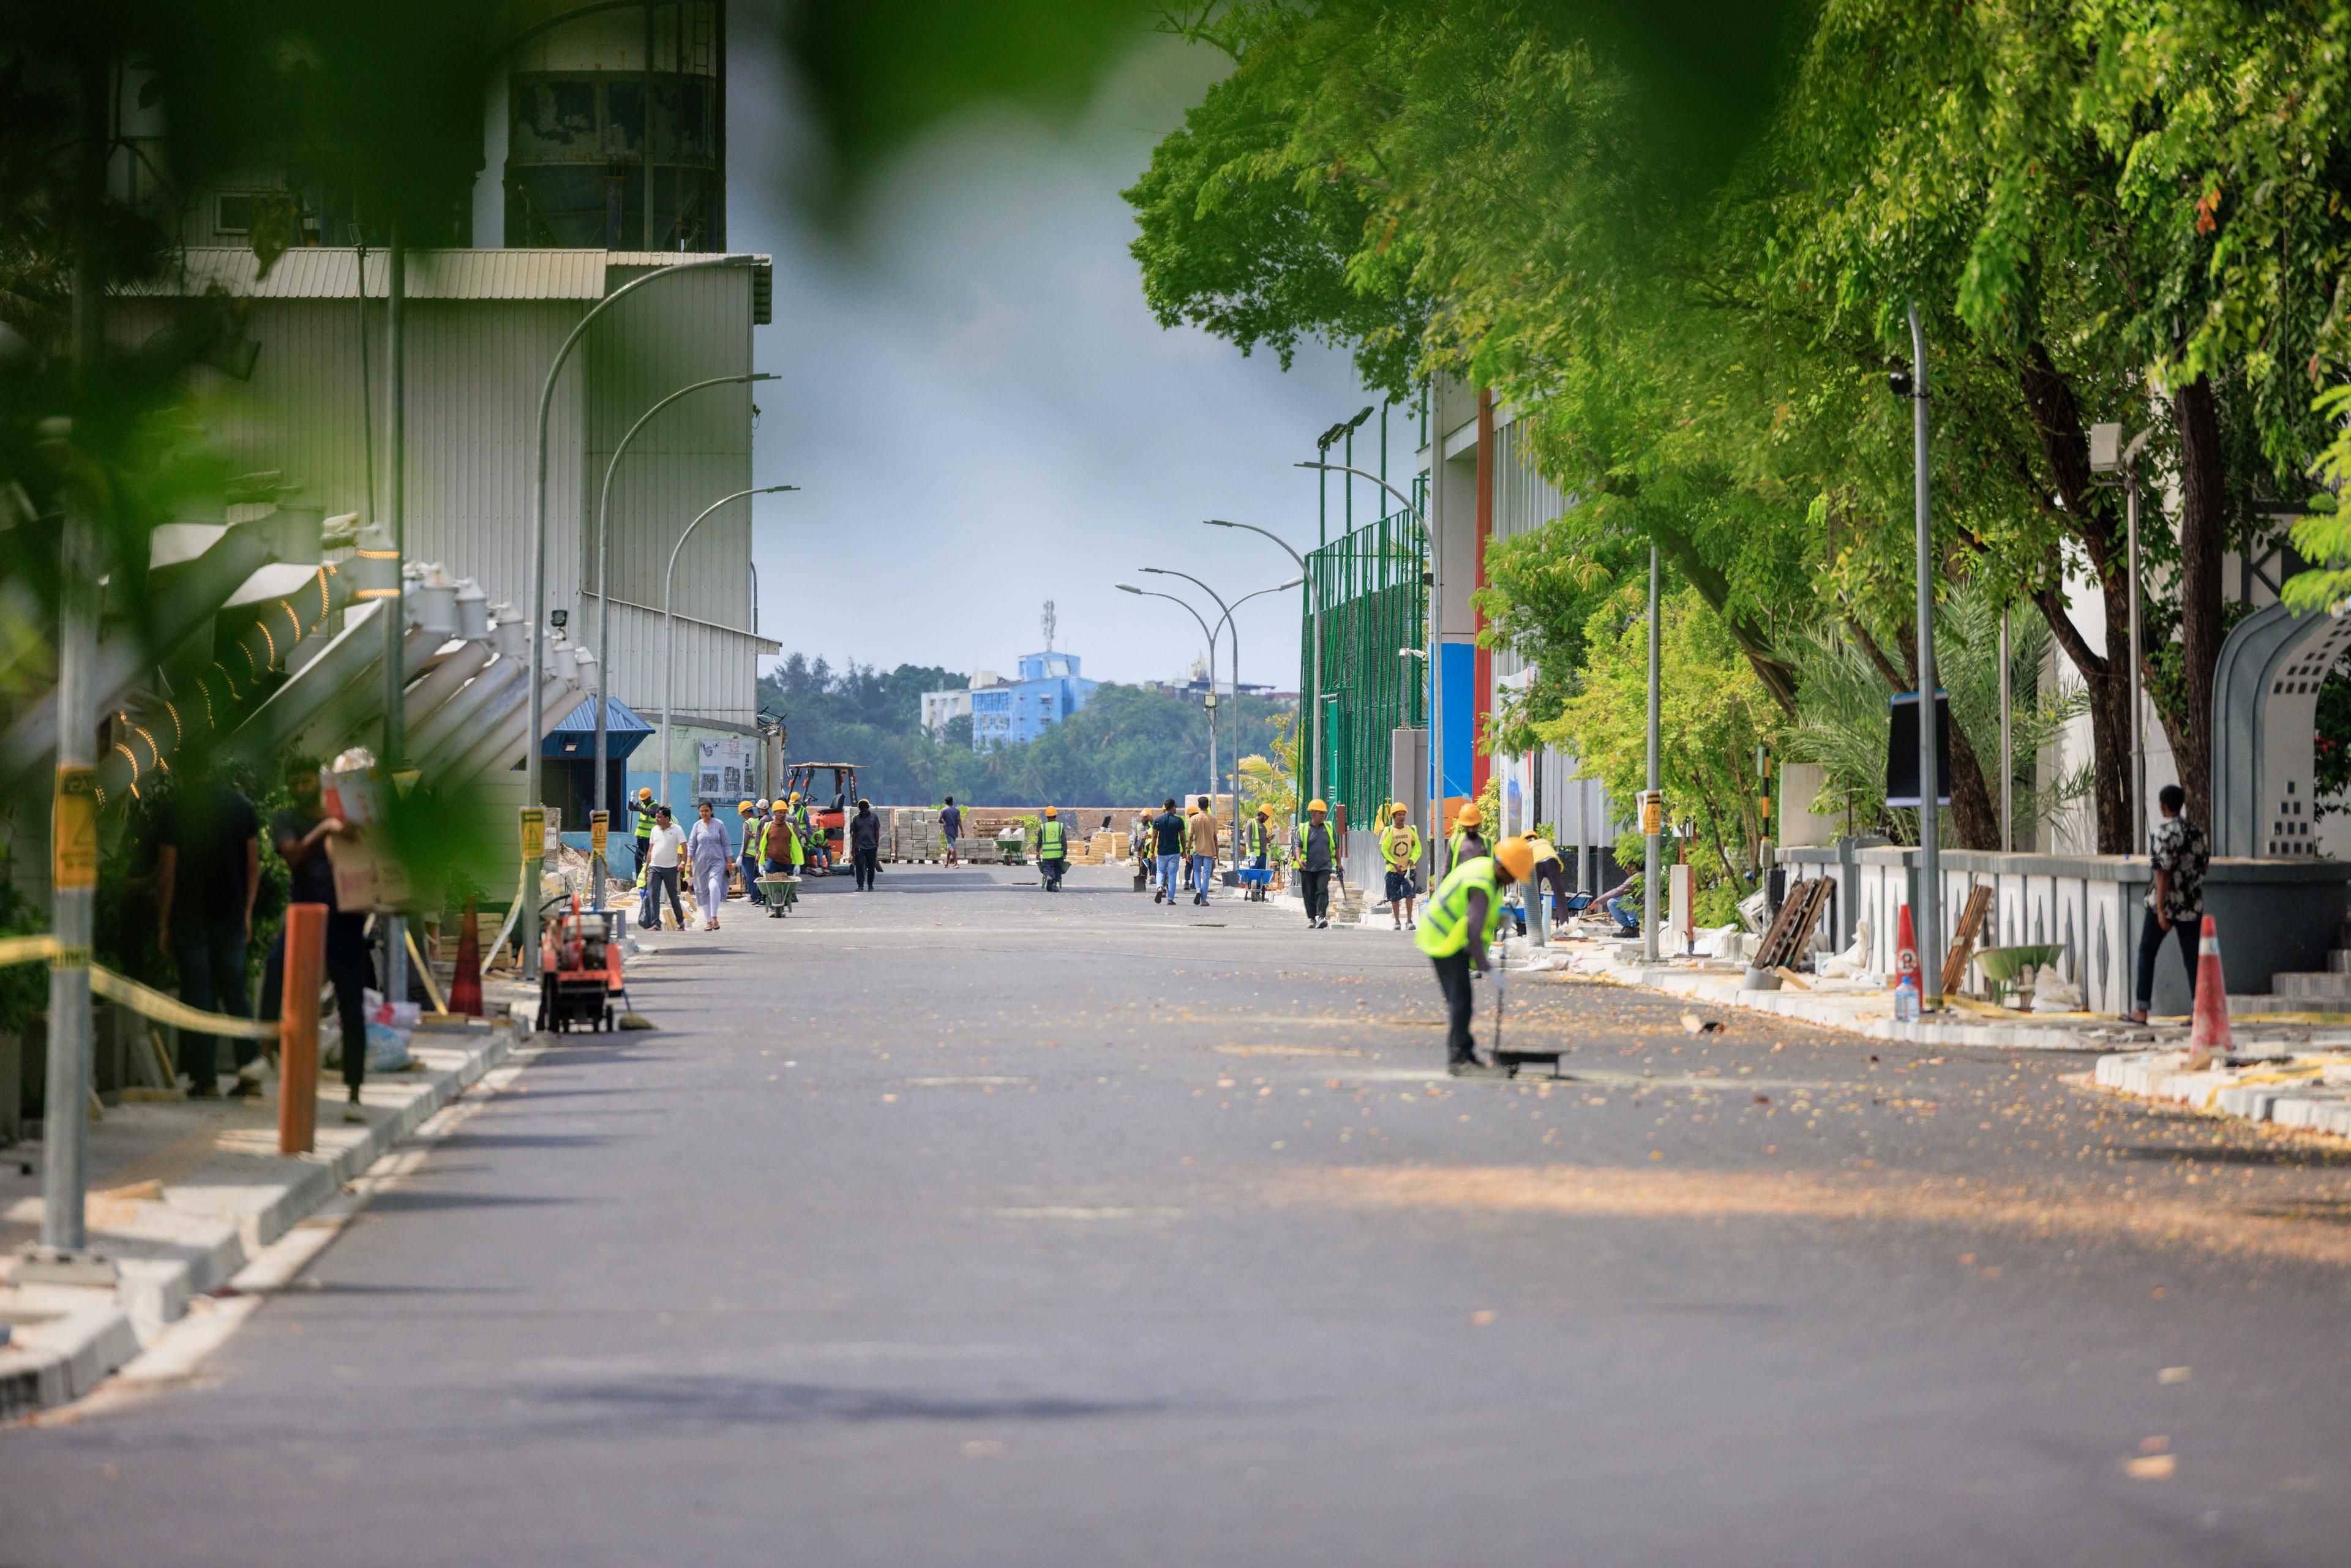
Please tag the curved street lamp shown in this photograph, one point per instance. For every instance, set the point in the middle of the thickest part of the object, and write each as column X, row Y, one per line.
column 1171, row 598
column 604, row 588
column 1226, row 612
column 1314, row 719
column 669, row 620
column 539, row 494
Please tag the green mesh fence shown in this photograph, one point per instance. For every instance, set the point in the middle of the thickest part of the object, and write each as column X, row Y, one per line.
column 1370, row 589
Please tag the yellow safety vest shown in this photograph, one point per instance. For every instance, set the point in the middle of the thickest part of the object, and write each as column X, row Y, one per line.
column 1051, row 845
column 1406, row 840
column 1445, row 918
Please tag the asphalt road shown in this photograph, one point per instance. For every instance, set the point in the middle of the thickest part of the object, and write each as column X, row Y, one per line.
column 958, row 1224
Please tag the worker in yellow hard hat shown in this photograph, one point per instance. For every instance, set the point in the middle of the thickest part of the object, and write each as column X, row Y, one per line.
column 1400, row 858
column 1052, row 850
column 1464, row 913
column 1466, row 843
column 746, row 854
column 645, row 827
column 1318, row 856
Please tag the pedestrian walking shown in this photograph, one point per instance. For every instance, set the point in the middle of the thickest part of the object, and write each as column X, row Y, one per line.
column 1464, row 912
column 708, row 851
column 1316, row 858
column 299, row 834
column 207, row 869
column 2176, row 902
column 1400, row 855
column 950, row 827
column 865, row 845
column 755, row 817
column 1204, row 850
column 1052, row 850
column 663, row 848
column 1167, row 846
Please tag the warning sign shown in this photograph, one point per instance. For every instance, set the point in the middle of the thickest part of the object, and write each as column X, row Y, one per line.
column 1653, row 811
column 534, row 833
column 74, row 830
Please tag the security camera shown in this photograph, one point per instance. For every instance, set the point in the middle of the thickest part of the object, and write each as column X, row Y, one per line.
column 1899, row 383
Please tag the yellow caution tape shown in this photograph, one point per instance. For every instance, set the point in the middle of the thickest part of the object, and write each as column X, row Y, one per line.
column 151, row 1003
column 27, row 949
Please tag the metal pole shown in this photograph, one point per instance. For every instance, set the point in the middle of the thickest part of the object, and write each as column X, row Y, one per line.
column 669, row 622
column 1226, row 612
column 538, row 502
column 1313, row 697
column 395, row 620
column 2007, row 740
column 2137, row 698
column 74, row 814
column 1654, row 846
column 1928, row 915
column 604, row 598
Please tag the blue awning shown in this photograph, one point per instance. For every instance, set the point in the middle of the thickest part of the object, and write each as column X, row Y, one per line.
column 573, row 738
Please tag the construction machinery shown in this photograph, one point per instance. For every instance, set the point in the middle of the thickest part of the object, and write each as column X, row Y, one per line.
column 828, row 808
column 580, row 969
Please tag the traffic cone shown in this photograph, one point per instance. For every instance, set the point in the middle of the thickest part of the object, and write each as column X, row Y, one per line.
column 2208, row 1035
column 1905, row 952
column 465, row 986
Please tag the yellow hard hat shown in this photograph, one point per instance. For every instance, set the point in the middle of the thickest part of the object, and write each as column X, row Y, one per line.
column 1052, row 811
column 1471, row 816
column 745, row 807
column 1517, row 857
column 645, row 794
column 1399, row 811
column 796, row 797
column 1317, row 806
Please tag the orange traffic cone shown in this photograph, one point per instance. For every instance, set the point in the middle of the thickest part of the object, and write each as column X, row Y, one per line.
column 2208, row 1035
column 465, row 986
column 1905, row 952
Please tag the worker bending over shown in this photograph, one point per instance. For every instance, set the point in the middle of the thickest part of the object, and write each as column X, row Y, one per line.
column 1052, row 850
column 1400, row 853
column 1464, row 913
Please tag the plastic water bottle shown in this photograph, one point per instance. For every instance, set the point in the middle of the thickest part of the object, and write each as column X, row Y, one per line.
column 1906, row 1002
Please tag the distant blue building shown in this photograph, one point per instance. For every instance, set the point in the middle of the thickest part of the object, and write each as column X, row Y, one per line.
column 1011, row 713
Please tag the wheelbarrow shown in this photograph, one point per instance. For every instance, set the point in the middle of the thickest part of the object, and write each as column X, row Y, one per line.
column 781, row 893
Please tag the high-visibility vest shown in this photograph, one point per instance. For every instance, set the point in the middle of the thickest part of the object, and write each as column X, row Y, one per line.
column 1051, row 843
column 1257, row 837
column 1445, row 919
column 645, row 822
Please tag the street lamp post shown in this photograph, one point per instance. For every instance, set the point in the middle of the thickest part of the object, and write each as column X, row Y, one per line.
column 1930, row 867
column 1652, row 809
column 538, row 497
column 1315, row 739
column 1236, row 658
column 605, row 594
column 669, row 620
column 1149, row 593
column 1233, row 654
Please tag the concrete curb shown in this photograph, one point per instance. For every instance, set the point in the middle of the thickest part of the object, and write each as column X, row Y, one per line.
column 199, row 1231
column 2309, row 1092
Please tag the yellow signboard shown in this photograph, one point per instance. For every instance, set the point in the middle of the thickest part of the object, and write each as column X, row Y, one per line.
column 600, row 830
column 534, row 833
column 74, row 830
column 1653, row 811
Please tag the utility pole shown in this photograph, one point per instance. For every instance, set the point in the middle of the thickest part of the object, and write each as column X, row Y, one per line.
column 64, row 1255
column 395, row 620
column 1653, row 805
column 1928, row 915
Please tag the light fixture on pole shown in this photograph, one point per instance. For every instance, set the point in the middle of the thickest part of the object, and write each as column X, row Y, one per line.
column 1210, row 636
column 531, row 759
column 1315, row 601
column 1228, row 621
column 1225, row 612
column 1929, row 920
column 604, row 597
column 669, row 620
column 1653, row 803
column 2109, row 455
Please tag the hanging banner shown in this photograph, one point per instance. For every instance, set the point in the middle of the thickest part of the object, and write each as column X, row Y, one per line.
column 725, row 769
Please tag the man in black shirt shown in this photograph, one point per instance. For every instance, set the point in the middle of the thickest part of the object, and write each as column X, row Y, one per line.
column 1167, row 835
column 866, row 844
column 300, row 833
column 207, row 869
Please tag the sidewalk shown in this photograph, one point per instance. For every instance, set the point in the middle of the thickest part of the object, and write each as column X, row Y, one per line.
column 183, row 1194
column 2306, row 1090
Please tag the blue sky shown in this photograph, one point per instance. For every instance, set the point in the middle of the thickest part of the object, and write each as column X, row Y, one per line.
column 982, row 414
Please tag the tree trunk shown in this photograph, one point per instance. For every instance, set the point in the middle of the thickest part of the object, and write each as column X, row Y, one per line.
column 1778, row 678
column 2203, row 533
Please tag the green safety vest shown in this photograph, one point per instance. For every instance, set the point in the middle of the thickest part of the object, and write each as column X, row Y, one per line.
column 1050, row 843
column 1445, row 919
column 1256, row 839
column 644, row 822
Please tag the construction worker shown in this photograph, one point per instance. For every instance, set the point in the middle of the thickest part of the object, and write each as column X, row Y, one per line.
column 1316, row 858
column 779, row 846
column 1464, row 912
column 1400, row 855
column 644, row 829
column 1466, row 843
column 1203, row 834
column 1052, row 850
column 747, row 859
column 1256, row 847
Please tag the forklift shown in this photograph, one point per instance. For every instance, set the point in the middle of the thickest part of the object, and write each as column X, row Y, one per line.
column 828, row 810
